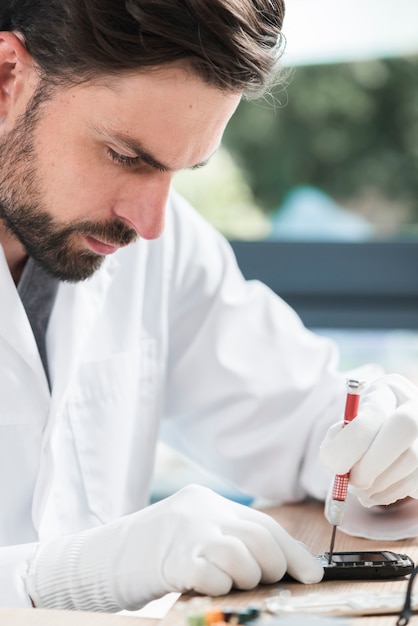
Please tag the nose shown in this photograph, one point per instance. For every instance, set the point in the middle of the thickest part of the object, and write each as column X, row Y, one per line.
column 143, row 204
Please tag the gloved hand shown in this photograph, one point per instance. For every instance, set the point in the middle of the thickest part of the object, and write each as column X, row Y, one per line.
column 193, row 540
column 380, row 447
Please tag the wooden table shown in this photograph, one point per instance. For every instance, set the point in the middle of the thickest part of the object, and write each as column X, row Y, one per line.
column 307, row 523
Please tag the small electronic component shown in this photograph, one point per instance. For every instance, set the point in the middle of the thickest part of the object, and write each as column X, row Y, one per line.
column 200, row 615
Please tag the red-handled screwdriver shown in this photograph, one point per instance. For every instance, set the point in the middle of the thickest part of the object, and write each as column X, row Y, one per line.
column 339, row 493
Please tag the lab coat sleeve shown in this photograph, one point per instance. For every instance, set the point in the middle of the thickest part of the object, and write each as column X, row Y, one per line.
column 14, row 566
column 251, row 391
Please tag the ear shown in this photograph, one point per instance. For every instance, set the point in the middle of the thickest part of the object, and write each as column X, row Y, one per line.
column 16, row 71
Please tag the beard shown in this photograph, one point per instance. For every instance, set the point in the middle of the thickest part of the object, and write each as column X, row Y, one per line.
column 24, row 214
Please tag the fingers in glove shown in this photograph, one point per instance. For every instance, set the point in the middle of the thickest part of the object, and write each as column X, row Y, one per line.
column 264, row 549
column 343, row 447
column 300, row 563
column 386, row 456
column 403, row 388
column 400, row 470
column 210, row 566
column 231, row 555
column 397, row 491
column 207, row 578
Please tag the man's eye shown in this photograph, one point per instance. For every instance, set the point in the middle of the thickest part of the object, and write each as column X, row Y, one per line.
column 122, row 159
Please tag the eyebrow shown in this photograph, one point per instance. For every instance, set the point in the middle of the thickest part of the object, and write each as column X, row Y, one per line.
column 137, row 148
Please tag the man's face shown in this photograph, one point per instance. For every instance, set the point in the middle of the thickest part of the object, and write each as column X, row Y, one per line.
column 89, row 170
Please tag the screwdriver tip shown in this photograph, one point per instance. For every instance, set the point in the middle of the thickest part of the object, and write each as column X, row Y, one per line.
column 331, row 548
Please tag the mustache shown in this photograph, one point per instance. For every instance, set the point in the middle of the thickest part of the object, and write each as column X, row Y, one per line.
column 113, row 233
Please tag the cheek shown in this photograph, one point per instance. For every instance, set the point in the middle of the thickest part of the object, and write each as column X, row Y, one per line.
column 76, row 180
column 74, row 187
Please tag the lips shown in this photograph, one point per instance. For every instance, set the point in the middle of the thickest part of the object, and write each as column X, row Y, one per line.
column 100, row 247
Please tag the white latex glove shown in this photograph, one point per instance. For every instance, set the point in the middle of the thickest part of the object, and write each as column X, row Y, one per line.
column 193, row 540
column 379, row 447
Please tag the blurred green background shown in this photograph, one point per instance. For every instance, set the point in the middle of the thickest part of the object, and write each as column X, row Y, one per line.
column 348, row 129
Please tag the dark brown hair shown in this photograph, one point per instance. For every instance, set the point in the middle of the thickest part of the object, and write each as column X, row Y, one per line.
column 232, row 44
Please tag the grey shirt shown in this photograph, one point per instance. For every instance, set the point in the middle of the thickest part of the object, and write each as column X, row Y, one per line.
column 37, row 291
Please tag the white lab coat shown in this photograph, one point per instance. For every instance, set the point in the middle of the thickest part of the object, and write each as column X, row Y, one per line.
column 166, row 334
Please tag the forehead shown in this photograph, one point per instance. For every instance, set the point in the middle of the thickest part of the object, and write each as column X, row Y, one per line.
column 170, row 109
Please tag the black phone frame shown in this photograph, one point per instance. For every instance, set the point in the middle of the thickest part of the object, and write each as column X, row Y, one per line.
column 393, row 565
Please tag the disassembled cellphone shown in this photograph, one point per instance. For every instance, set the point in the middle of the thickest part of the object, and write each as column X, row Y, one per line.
column 365, row 565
